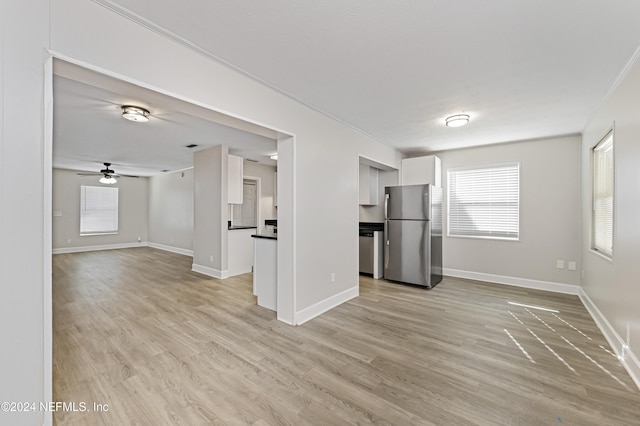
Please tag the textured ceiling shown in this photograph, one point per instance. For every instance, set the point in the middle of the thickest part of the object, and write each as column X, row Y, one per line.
column 396, row 69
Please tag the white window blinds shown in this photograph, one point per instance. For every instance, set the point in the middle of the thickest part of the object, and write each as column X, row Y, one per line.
column 602, row 217
column 98, row 210
column 484, row 201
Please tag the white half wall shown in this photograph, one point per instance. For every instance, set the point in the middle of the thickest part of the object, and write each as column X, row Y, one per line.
column 133, row 212
column 612, row 285
column 549, row 213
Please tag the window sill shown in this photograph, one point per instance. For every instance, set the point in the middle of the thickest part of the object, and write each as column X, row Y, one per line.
column 602, row 255
column 98, row 233
column 471, row 237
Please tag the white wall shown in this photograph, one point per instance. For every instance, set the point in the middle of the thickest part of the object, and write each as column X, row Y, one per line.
column 171, row 205
column 132, row 215
column 25, row 266
column 613, row 285
column 549, row 213
column 210, row 211
column 265, row 173
column 171, row 209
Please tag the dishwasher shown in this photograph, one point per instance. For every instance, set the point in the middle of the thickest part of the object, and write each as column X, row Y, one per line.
column 371, row 252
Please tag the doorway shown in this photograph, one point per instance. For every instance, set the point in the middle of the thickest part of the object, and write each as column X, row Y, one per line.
column 246, row 214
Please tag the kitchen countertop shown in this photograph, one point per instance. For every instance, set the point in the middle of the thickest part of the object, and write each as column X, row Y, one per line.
column 232, row 228
column 266, row 235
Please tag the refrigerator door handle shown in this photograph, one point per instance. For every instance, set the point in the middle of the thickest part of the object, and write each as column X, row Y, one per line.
column 386, row 206
column 386, row 240
column 426, row 205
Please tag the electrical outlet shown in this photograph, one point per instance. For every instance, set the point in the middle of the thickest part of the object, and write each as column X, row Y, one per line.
column 211, row 258
column 68, row 240
column 333, row 277
column 139, row 239
column 571, row 265
column 560, row 264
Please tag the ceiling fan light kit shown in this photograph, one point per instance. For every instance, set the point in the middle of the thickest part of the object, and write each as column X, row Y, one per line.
column 457, row 120
column 109, row 180
column 134, row 113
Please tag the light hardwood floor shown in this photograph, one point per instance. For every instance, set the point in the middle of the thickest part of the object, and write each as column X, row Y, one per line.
column 137, row 330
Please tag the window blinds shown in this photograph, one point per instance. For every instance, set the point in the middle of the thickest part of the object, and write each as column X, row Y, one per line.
column 484, row 201
column 602, row 217
column 98, row 210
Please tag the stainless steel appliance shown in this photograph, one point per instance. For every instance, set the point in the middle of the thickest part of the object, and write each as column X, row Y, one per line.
column 413, row 234
column 371, row 249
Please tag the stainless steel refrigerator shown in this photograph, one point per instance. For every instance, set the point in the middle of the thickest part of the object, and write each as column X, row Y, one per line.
column 413, row 234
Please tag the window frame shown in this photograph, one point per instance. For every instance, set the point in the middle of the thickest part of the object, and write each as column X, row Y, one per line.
column 479, row 167
column 83, row 209
column 608, row 138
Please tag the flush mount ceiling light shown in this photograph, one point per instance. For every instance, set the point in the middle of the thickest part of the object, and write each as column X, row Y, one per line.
column 457, row 120
column 134, row 113
column 274, row 156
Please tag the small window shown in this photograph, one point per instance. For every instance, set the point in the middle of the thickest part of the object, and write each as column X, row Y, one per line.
column 484, row 202
column 98, row 210
column 602, row 215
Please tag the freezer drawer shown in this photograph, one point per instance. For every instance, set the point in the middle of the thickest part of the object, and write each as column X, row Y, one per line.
column 408, row 253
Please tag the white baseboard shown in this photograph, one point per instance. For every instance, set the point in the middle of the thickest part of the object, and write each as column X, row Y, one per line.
column 514, row 281
column 97, row 248
column 205, row 270
column 628, row 359
column 172, row 249
column 324, row 305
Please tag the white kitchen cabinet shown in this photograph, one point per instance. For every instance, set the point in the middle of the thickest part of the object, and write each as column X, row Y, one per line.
column 235, row 171
column 368, row 185
column 240, row 251
column 265, row 272
column 421, row 170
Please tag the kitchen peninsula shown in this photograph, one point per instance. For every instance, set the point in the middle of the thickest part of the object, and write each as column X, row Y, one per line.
column 265, row 269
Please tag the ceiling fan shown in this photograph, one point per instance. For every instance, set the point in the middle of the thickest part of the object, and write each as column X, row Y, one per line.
column 108, row 175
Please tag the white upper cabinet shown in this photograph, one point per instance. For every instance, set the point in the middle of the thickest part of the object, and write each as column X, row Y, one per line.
column 235, row 171
column 368, row 185
column 421, row 170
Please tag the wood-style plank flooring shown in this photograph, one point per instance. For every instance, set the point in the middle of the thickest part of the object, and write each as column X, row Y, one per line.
column 138, row 331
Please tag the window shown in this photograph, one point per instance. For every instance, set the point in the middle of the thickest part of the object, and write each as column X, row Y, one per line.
column 484, row 201
column 602, row 217
column 98, row 210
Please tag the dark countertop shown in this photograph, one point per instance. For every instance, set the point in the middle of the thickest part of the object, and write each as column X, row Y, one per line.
column 232, row 228
column 266, row 235
column 372, row 226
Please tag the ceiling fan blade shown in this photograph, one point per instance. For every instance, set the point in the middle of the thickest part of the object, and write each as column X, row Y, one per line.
column 88, row 174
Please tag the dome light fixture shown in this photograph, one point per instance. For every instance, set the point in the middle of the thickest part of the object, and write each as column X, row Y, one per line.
column 274, row 156
column 457, row 120
column 134, row 113
column 109, row 180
